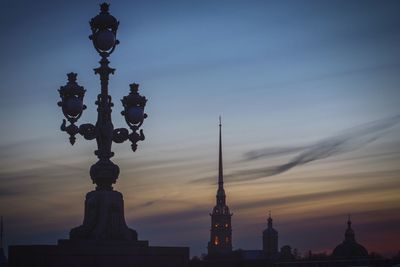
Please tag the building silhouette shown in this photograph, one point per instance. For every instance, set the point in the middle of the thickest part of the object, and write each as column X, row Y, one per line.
column 220, row 243
column 3, row 259
column 349, row 248
column 286, row 253
column 270, row 240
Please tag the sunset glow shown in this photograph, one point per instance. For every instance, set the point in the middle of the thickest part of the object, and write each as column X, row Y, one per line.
column 309, row 93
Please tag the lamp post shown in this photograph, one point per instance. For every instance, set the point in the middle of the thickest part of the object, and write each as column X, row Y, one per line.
column 104, row 214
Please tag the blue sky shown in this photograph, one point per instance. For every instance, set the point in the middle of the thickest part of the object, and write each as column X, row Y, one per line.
column 281, row 74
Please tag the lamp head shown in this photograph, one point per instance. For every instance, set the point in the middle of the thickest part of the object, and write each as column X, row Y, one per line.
column 72, row 98
column 134, row 105
column 104, row 31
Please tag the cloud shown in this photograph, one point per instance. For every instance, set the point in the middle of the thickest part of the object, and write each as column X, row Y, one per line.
column 347, row 141
column 344, row 142
column 339, row 193
column 271, row 152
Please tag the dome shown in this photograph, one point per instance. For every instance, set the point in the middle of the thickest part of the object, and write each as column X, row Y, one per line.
column 349, row 248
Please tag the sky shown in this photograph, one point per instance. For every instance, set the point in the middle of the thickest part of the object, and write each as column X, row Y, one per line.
column 309, row 97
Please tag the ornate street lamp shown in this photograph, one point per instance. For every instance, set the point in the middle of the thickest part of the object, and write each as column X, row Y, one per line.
column 104, row 215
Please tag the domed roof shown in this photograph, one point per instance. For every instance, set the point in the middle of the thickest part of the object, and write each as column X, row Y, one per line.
column 349, row 248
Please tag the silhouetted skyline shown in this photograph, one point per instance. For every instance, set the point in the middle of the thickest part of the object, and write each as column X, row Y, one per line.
column 288, row 77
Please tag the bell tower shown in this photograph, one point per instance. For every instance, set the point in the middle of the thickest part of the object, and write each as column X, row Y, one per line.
column 270, row 239
column 221, row 228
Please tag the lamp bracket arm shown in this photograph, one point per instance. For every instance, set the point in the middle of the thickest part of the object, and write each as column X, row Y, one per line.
column 88, row 131
column 135, row 137
column 120, row 135
column 71, row 129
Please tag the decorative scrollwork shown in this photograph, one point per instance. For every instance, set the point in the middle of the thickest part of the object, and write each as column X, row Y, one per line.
column 71, row 129
column 120, row 135
column 134, row 137
column 88, row 131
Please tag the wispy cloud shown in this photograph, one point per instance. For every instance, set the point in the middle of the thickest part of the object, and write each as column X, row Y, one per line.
column 342, row 143
column 272, row 152
column 323, row 195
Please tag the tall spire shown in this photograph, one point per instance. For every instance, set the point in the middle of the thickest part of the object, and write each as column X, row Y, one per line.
column 221, row 228
column 220, row 169
column 221, row 192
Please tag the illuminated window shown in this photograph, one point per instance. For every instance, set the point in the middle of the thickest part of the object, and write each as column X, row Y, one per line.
column 216, row 241
column 216, row 225
column 226, row 225
column 226, row 239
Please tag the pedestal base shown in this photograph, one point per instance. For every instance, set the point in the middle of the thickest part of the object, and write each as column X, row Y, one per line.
column 104, row 218
column 97, row 255
column 103, row 240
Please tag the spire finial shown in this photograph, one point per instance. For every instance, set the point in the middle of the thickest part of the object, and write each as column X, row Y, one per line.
column 104, row 7
column 349, row 234
column 269, row 219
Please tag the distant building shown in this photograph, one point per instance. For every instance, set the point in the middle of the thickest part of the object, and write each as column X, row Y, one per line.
column 286, row 253
column 270, row 240
column 349, row 248
column 3, row 259
column 220, row 243
column 249, row 255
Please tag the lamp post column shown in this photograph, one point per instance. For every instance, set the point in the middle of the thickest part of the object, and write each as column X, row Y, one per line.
column 104, row 173
column 104, row 217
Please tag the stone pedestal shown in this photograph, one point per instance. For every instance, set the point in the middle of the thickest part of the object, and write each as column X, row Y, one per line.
column 103, row 240
column 104, row 218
